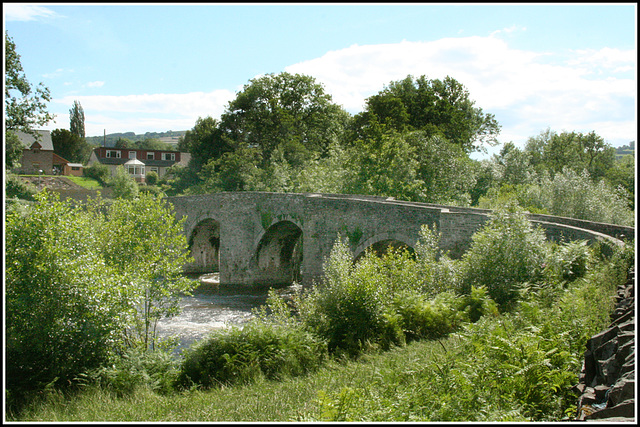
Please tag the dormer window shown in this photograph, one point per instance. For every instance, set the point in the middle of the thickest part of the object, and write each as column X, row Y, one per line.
column 113, row 154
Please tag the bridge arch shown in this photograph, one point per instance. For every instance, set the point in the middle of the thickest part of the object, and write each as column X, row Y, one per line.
column 381, row 242
column 278, row 254
column 204, row 246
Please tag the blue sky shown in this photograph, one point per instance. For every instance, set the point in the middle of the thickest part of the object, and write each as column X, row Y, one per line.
column 159, row 67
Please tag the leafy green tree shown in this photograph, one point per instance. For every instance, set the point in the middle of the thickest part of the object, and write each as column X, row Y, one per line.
column 76, row 120
column 70, row 146
column 25, row 108
column 553, row 152
column 287, row 110
column 124, row 143
column 148, row 253
column 13, row 150
column 435, row 106
column 124, row 186
column 204, row 141
column 387, row 167
column 446, row 171
column 622, row 174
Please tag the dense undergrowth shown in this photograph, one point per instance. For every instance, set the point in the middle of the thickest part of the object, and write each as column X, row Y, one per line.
column 498, row 335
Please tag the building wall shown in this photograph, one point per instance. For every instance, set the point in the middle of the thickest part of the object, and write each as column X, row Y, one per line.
column 35, row 160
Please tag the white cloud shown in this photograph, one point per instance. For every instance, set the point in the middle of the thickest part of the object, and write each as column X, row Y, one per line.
column 143, row 113
column 527, row 91
column 95, row 84
column 536, row 89
column 24, row 12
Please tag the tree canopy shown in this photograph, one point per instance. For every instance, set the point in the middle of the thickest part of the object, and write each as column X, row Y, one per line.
column 435, row 106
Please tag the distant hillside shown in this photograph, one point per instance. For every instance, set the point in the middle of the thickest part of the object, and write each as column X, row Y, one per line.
column 170, row 137
column 626, row 149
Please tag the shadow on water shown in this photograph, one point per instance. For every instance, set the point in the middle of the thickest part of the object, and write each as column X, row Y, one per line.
column 211, row 307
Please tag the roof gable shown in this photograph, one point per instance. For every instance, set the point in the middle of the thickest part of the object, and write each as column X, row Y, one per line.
column 28, row 140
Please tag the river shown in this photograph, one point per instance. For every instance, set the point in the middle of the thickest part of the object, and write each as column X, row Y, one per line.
column 212, row 307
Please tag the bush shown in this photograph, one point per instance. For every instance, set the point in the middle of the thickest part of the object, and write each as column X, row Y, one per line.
column 152, row 178
column 98, row 172
column 259, row 349
column 124, row 186
column 429, row 319
column 16, row 187
column 506, row 252
column 567, row 261
column 123, row 375
column 351, row 309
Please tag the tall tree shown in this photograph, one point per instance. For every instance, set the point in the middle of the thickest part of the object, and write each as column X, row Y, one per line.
column 76, row 118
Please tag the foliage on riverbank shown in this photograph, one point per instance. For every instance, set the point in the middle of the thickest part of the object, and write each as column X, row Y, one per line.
column 469, row 362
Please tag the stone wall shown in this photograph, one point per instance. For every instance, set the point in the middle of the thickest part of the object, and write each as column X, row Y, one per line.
column 249, row 222
column 607, row 381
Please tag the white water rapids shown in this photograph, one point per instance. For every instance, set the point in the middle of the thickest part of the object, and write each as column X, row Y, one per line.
column 212, row 307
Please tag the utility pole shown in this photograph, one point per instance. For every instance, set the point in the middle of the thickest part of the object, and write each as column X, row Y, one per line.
column 104, row 139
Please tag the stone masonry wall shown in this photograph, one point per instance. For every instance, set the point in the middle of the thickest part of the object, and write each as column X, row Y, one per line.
column 607, row 381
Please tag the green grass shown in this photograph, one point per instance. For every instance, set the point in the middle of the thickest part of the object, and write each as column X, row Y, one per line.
column 88, row 183
column 293, row 399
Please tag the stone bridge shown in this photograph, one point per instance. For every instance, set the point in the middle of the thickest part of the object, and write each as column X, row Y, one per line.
column 259, row 238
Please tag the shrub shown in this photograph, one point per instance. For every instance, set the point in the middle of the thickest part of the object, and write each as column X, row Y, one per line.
column 152, row 178
column 124, row 186
column 124, row 374
column 567, row 261
column 242, row 355
column 350, row 309
column 436, row 270
column 506, row 252
column 16, row 187
column 429, row 319
column 98, row 172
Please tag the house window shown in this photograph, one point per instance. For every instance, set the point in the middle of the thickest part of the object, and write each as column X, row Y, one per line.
column 114, row 154
column 169, row 156
column 150, row 156
column 154, row 169
column 132, row 154
column 75, row 168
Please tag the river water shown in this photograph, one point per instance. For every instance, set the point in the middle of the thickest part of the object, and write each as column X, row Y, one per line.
column 212, row 307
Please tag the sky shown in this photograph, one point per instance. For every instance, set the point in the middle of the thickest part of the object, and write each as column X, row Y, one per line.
column 157, row 67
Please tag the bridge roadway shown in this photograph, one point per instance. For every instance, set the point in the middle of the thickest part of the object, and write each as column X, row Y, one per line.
column 259, row 238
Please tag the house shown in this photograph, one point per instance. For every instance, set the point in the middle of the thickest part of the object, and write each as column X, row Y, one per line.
column 138, row 162
column 38, row 156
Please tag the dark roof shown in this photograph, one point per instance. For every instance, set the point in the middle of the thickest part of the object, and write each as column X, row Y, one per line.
column 121, row 161
column 27, row 139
